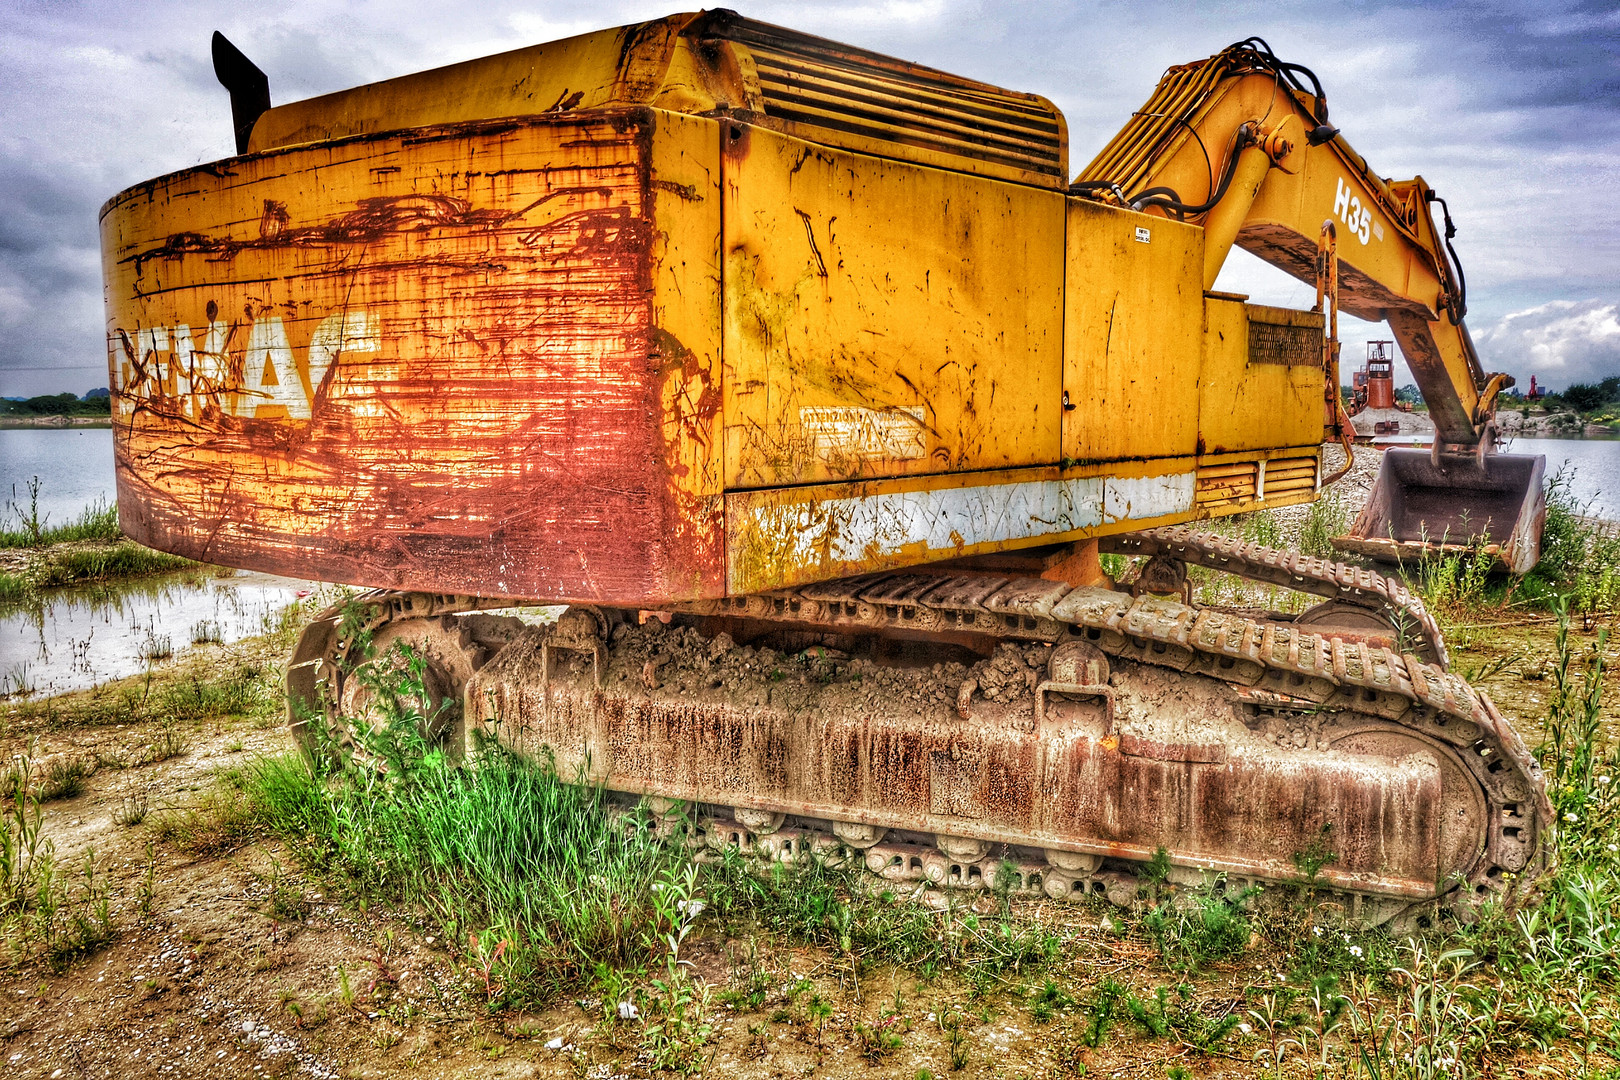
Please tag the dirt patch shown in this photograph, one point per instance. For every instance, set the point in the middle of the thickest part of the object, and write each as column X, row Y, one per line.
column 226, row 960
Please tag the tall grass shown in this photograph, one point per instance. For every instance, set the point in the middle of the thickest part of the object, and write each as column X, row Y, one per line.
column 835, row 906
column 1582, row 767
column 124, row 560
column 536, row 878
column 29, row 528
column 531, row 873
column 1455, row 583
column 46, row 914
column 1580, row 560
column 1327, row 517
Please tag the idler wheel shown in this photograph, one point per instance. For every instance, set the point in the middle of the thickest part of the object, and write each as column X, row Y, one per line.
column 436, row 647
column 1464, row 817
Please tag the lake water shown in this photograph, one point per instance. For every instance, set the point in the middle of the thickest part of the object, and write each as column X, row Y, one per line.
column 71, row 639
column 74, row 465
column 1594, row 465
column 74, row 638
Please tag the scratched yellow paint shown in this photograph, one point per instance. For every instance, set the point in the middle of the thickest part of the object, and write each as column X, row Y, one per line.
column 622, row 66
column 590, row 337
column 685, row 194
column 1133, row 334
column 1253, row 406
column 884, row 319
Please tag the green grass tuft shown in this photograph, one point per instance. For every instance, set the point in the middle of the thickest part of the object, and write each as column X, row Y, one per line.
column 27, row 528
column 123, row 560
column 535, row 874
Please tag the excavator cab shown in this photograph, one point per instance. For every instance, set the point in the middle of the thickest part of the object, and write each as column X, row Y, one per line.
column 1426, row 504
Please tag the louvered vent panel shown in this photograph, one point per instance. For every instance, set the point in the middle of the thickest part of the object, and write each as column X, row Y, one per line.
column 811, row 81
column 1290, row 476
column 1224, row 485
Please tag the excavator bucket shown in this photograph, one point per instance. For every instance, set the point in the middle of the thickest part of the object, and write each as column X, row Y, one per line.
column 1422, row 507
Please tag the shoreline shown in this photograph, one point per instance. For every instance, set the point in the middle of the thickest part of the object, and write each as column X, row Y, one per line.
column 25, row 422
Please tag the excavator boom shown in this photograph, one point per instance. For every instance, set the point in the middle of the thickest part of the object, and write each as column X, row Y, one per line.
column 1241, row 143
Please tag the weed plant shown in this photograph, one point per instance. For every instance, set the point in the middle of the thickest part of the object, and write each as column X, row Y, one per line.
column 237, row 690
column 1327, row 517
column 127, row 559
column 46, row 914
column 836, row 907
column 1456, row 584
column 29, row 528
column 1580, row 560
column 1193, row 932
column 1580, row 768
column 14, row 588
column 156, row 646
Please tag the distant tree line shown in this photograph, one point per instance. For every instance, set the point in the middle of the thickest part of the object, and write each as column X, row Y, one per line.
column 95, row 403
column 1590, row 397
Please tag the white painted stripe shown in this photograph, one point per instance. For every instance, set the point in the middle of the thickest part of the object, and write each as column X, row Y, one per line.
column 947, row 519
column 1138, row 498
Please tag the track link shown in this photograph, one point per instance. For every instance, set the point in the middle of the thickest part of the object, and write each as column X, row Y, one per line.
column 1272, row 664
column 1306, row 573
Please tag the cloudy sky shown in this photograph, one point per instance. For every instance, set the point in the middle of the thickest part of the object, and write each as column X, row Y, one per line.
column 1512, row 111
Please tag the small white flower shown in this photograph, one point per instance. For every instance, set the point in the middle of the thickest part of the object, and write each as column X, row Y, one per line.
column 628, row 1010
column 1355, row 950
column 1570, row 816
column 690, row 909
column 1317, row 930
column 1614, row 847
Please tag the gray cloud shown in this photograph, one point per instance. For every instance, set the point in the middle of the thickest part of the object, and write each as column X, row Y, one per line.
column 1512, row 110
column 1560, row 342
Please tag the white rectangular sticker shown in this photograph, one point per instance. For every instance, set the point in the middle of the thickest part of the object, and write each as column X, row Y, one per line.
column 1143, row 236
column 846, row 431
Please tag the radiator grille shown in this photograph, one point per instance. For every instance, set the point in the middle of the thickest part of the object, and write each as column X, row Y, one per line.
column 1284, row 336
column 818, row 83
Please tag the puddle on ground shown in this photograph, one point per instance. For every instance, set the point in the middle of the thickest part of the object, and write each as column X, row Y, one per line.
column 75, row 638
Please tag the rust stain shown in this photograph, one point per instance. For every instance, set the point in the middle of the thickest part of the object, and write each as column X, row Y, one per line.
column 988, row 777
column 485, row 417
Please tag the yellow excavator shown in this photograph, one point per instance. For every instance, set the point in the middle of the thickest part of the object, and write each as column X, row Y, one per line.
column 816, row 389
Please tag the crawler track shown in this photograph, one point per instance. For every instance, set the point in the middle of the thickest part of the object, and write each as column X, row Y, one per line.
column 1358, row 715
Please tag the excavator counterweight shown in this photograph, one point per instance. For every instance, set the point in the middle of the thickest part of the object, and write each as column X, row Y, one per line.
column 811, row 384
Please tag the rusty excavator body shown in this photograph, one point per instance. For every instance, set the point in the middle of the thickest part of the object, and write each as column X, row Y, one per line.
column 815, row 388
